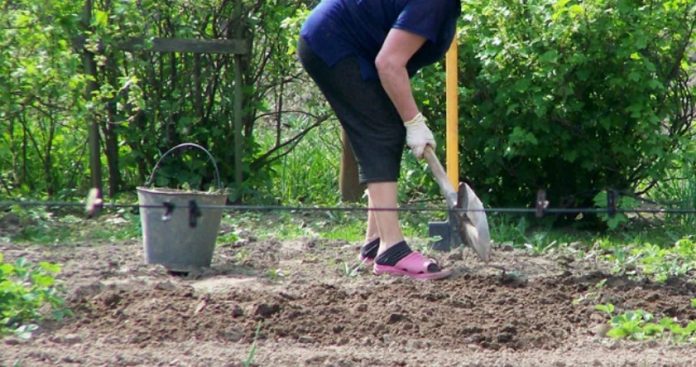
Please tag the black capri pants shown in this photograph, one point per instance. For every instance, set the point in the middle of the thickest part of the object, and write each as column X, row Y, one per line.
column 373, row 126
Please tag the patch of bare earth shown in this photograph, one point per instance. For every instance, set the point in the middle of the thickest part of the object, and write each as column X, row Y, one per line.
column 309, row 312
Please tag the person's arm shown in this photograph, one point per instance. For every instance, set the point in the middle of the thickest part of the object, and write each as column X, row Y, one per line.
column 391, row 61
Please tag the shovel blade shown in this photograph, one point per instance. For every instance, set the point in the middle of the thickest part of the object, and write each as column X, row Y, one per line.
column 475, row 231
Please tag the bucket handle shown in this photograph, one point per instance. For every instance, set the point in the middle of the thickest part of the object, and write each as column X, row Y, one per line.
column 186, row 145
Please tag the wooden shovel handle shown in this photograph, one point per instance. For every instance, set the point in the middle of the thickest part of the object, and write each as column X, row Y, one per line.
column 440, row 176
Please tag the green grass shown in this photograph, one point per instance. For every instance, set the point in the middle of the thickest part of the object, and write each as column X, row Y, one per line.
column 45, row 227
column 42, row 227
column 309, row 173
column 679, row 187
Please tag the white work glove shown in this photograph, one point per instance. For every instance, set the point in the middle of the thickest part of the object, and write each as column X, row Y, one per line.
column 418, row 135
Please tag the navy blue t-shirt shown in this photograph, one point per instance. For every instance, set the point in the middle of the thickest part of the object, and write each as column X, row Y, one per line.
column 340, row 28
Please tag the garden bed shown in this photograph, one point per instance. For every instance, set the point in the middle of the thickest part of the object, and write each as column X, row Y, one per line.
column 298, row 303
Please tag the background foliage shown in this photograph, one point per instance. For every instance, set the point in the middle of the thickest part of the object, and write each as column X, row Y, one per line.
column 574, row 97
column 145, row 102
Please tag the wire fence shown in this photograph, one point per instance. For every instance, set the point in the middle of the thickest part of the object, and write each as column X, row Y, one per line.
column 194, row 210
column 94, row 204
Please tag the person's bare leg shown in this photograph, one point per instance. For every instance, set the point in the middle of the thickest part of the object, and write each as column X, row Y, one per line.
column 383, row 195
column 372, row 230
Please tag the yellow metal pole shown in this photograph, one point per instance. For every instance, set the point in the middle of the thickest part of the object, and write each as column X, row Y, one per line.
column 452, row 115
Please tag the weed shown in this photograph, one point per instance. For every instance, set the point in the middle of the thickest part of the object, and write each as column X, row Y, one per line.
column 592, row 295
column 274, row 274
column 664, row 263
column 252, row 351
column 242, row 256
column 350, row 270
column 538, row 246
column 227, row 238
column 422, row 246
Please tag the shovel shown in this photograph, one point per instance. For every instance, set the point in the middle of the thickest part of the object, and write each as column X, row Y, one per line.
column 467, row 217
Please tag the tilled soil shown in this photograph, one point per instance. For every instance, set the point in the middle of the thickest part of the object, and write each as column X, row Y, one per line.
column 297, row 303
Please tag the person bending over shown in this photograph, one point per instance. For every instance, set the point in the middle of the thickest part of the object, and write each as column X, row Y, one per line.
column 362, row 54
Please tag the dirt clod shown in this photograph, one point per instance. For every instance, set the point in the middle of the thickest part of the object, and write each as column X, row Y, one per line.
column 395, row 317
column 237, row 311
column 265, row 310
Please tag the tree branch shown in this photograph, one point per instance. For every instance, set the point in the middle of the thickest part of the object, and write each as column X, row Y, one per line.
column 318, row 117
column 290, row 143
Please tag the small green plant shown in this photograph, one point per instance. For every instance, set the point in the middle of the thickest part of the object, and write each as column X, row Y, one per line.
column 423, row 247
column 519, row 232
column 227, row 238
column 350, row 270
column 242, row 255
column 624, row 263
column 538, row 244
column 274, row 274
column 592, row 295
column 640, row 325
column 248, row 362
column 24, row 290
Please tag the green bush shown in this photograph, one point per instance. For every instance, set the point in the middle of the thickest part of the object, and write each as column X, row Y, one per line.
column 573, row 96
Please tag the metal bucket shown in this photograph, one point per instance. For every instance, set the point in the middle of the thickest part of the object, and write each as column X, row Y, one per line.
column 177, row 233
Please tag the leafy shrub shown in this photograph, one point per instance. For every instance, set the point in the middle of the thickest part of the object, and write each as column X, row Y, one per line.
column 24, row 290
column 573, row 96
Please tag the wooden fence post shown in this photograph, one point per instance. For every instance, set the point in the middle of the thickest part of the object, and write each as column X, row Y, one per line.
column 351, row 189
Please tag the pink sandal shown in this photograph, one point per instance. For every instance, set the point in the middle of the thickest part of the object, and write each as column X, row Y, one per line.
column 415, row 266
